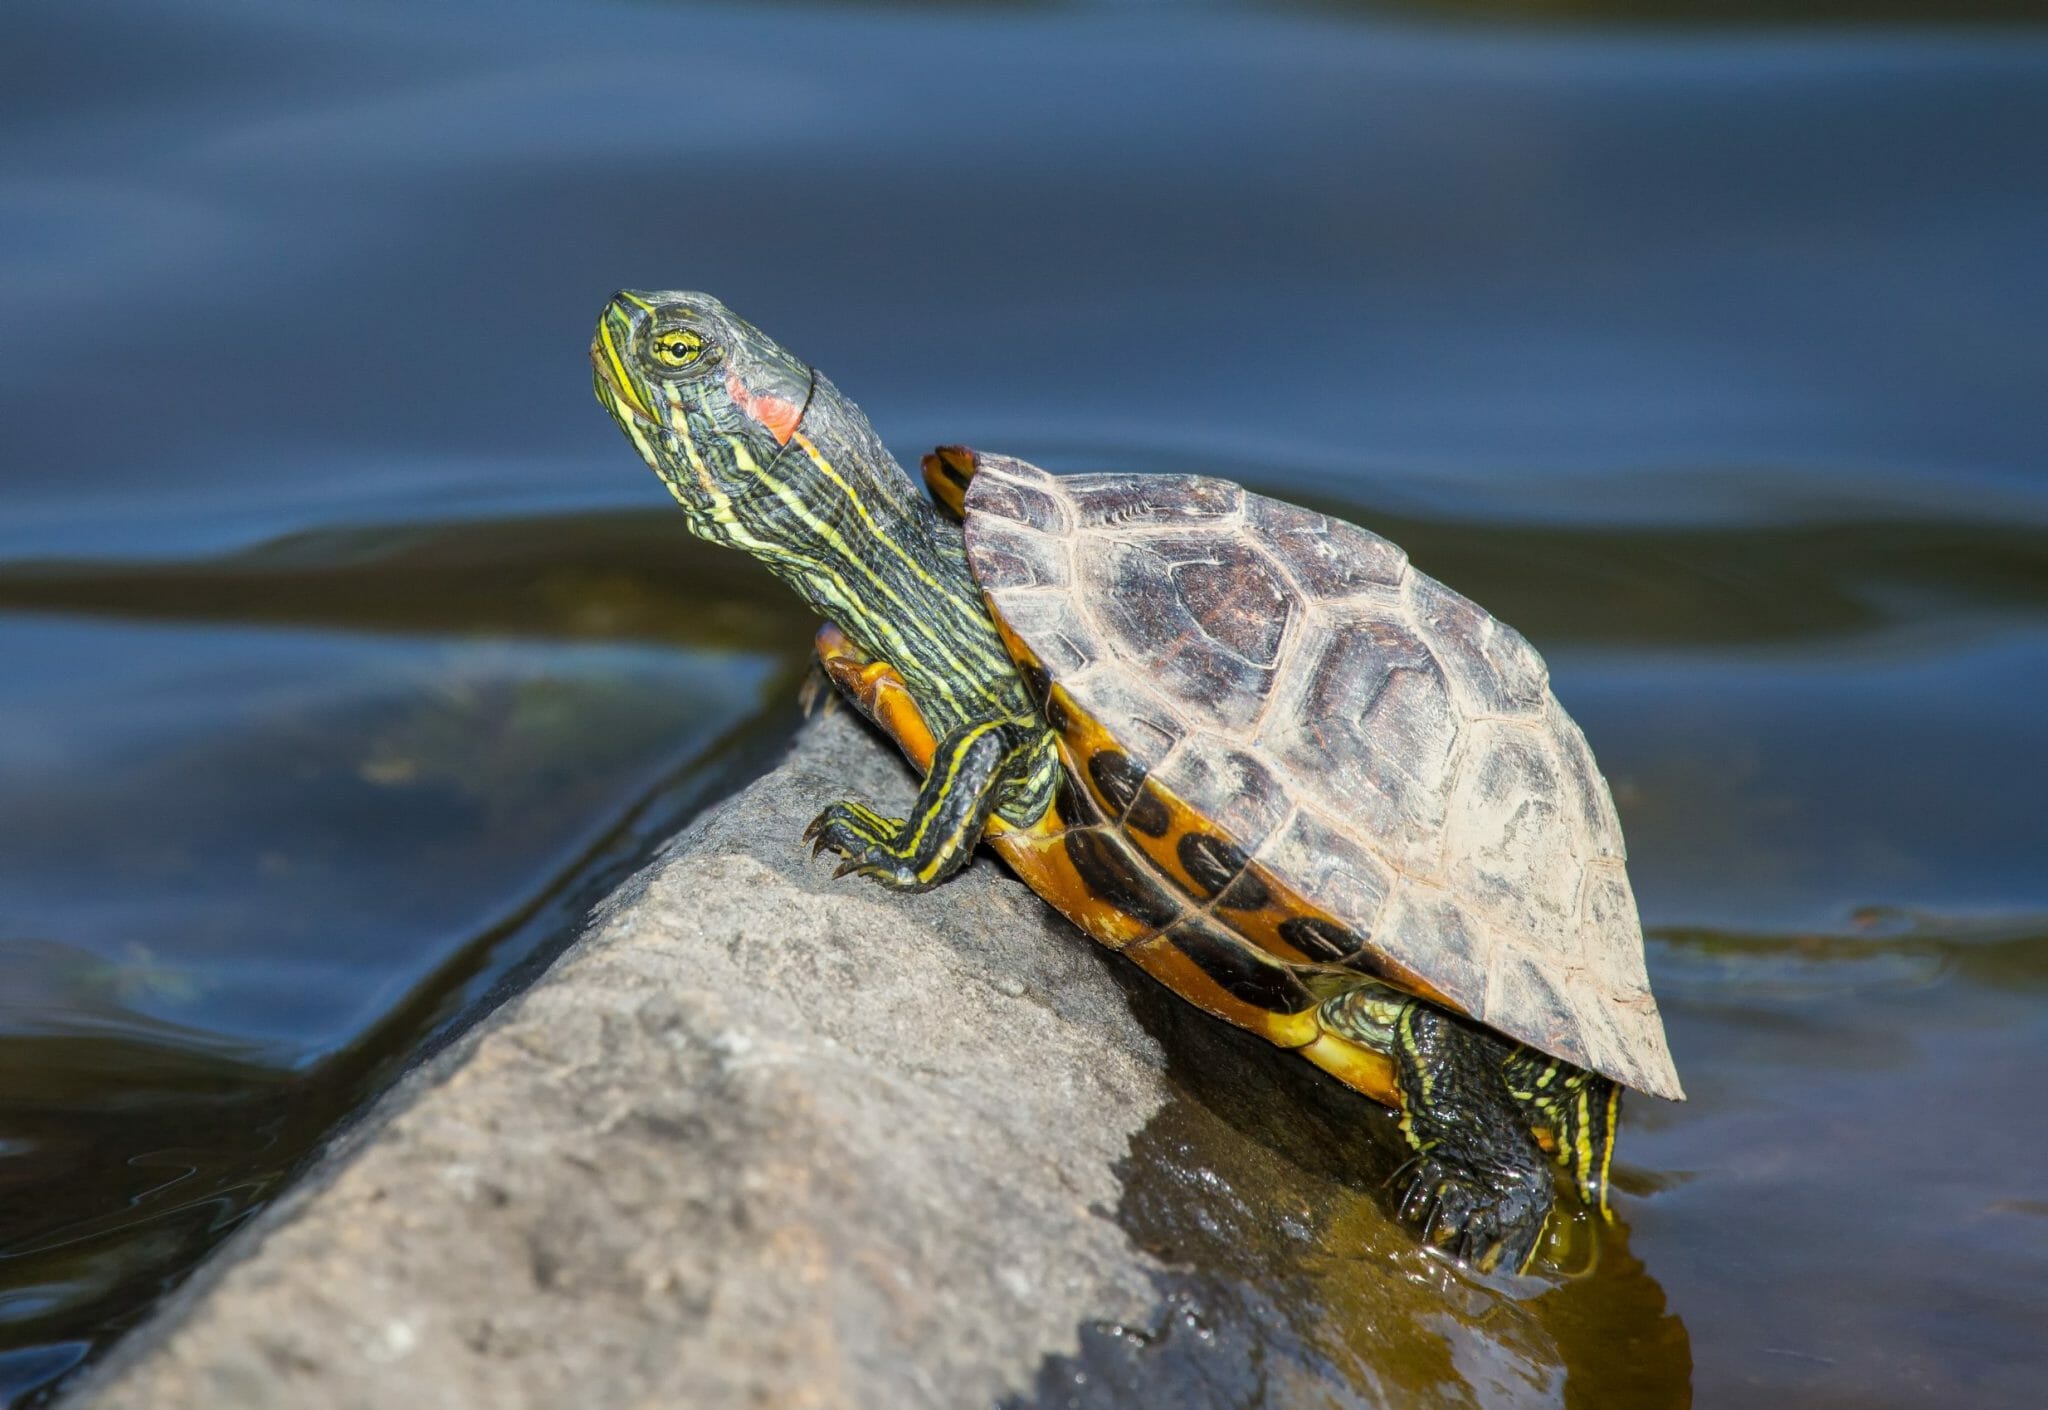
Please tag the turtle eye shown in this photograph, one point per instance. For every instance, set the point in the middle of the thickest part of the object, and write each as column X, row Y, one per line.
column 678, row 347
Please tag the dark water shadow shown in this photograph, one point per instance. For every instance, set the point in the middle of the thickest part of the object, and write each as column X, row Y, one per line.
column 636, row 575
column 1264, row 1189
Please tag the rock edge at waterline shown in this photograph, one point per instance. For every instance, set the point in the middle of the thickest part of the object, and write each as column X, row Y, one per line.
column 759, row 1138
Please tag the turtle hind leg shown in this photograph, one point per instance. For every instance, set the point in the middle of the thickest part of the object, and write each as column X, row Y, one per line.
column 1481, row 1188
column 963, row 786
column 1575, row 1114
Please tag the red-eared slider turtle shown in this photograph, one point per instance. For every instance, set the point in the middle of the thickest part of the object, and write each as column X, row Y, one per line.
column 1309, row 788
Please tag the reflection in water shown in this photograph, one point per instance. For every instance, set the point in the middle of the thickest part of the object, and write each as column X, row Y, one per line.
column 1855, row 1153
column 1267, row 1192
column 130, row 1145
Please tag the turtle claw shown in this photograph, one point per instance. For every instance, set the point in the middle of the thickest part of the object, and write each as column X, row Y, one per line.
column 888, row 870
column 862, row 838
column 1484, row 1227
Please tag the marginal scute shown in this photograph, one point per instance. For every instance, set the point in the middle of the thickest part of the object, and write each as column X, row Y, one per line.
column 1013, row 557
column 1584, row 785
column 1490, row 664
column 1007, row 488
column 1321, row 939
column 1036, row 680
column 1107, row 869
column 1520, row 986
column 1327, row 557
column 1150, row 501
column 1149, row 814
column 1610, row 932
column 1239, row 968
column 1231, row 788
column 1116, row 779
column 1248, row 893
column 1425, row 929
column 1131, row 713
column 1048, row 623
column 1334, row 867
column 1211, row 862
column 1076, row 807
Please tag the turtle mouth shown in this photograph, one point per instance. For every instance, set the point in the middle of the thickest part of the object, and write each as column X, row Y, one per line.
column 615, row 329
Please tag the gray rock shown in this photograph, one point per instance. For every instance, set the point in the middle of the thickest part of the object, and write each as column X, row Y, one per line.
column 759, row 1139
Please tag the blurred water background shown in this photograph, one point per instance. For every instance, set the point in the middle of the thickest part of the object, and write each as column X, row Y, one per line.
column 348, row 653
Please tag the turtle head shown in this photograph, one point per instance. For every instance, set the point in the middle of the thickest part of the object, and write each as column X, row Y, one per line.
column 705, row 397
column 767, row 456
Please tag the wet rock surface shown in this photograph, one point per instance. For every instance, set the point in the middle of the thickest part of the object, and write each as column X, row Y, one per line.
column 766, row 1139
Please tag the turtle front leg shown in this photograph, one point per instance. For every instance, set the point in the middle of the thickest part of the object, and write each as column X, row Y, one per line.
column 966, row 781
column 1481, row 1188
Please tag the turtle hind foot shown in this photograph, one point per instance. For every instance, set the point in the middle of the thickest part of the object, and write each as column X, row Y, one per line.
column 1482, row 1189
column 1489, row 1222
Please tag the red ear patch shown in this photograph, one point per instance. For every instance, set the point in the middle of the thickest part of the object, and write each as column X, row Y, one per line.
column 778, row 415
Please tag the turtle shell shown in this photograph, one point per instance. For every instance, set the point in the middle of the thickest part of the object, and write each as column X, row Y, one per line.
column 1369, row 771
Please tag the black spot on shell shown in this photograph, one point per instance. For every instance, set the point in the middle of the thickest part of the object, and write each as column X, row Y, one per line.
column 1074, row 806
column 1117, row 779
column 1149, row 813
column 1035, row 680
column 1319, row 938
column 1239, row 969
column 1211, row 863
column 1110, row 874
column 1247, row 893
column 1056, row 714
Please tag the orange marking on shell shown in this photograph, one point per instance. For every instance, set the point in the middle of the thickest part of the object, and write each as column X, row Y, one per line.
column 778, row 414
column 1041, row 862
column 1083, row 738
column 1165, row 962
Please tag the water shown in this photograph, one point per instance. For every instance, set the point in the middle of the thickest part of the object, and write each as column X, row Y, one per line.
column 349, row 652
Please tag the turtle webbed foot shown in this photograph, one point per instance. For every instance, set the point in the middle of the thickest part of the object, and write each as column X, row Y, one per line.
column 868, row 843
column 1486, row 1222
column 1482, row 1187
